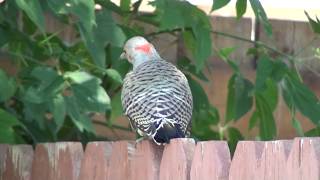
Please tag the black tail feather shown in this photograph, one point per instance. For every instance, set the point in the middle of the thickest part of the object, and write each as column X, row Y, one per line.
column 167, row 132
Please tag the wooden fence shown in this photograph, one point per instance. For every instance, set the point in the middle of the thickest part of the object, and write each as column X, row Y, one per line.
column 182, row 159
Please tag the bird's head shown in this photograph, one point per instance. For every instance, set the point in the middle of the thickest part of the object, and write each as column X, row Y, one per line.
column 138, row 50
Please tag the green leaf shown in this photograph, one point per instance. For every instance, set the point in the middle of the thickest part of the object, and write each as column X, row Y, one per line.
column 315, row 24
column 241, row 7
column 271, row 94
column 253, row 120
column 46, row 86
column 200, row 45
column 239, row 100
column 106, row 32
column 4, row 38
column 279, row 70
column 7, row 86
column 213, row 115
column 230, row 110
column 90, row 96
column 264, row 70
column 315, row 132
column 234, row 135
column 296, row 124
column 83, row 9
column 33, row 95
column 181, row 14
column 217, row 4
column 80, row 77
column 58, row 109
column 202, row 126
column 203, row 46
column 7, row 122
column 201, row 102
column 261, row 15
column 298, row 95
column 125, row 5
column 28, row 26
column 35, row 112
column 81, row 120
column 267, row 123
column 209, row 116
column 186, row 65
column 224, row 54
column 116, row 107
column 34, row 11
column 114, row 75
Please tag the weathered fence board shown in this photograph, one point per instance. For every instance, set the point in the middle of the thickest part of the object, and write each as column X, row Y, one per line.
column 17, row 162
column 95, row 161
column 145, row 161
column 230, row 25
column 54, row 161
column 3, row 154
column 119, row 161
column 246, row 156
column 303, row 162
column 182, row 159
column 211, row 161
column 273, row 160
column 176, row 160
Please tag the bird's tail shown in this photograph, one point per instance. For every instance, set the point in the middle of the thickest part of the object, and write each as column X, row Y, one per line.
column 168, row 131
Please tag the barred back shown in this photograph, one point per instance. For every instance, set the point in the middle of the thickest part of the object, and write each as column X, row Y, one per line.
column 155, row 95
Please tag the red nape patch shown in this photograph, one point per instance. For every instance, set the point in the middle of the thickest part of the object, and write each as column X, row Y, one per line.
column 145, row 48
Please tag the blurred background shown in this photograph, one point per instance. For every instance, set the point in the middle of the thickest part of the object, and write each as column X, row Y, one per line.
column 253, row 66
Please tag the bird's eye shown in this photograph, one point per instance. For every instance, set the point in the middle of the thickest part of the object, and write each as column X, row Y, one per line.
column 124, row 51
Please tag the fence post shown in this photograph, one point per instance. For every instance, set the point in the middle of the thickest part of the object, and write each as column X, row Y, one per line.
column 176, row 159
column 60, row 160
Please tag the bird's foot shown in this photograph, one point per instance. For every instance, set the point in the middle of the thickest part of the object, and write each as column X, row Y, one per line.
column 140, row 139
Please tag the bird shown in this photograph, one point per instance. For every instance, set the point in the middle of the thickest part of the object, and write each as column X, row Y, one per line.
column 155, row 96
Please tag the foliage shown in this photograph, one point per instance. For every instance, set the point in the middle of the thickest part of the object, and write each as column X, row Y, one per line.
column 61, row 85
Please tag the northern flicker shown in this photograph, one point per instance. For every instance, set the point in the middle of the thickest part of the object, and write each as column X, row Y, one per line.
column 155, row 96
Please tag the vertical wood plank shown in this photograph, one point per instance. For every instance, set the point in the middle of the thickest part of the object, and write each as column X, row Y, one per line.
column 57, row 161
column 245, row 160
column 176, row 159
column 145, row 161
column 211, row 161
column 273, row 161
column 304, row 42
column 3, row 155
column 282, row 36
column 310, row 161
column 94, row 165
column 18, row 162
column 231, row 25
column 119, row 160
column 304, row 159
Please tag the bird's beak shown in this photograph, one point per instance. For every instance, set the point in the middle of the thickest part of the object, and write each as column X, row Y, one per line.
column 122, row 56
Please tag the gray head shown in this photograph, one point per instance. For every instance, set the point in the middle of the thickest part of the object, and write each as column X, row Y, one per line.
column 138, row 50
